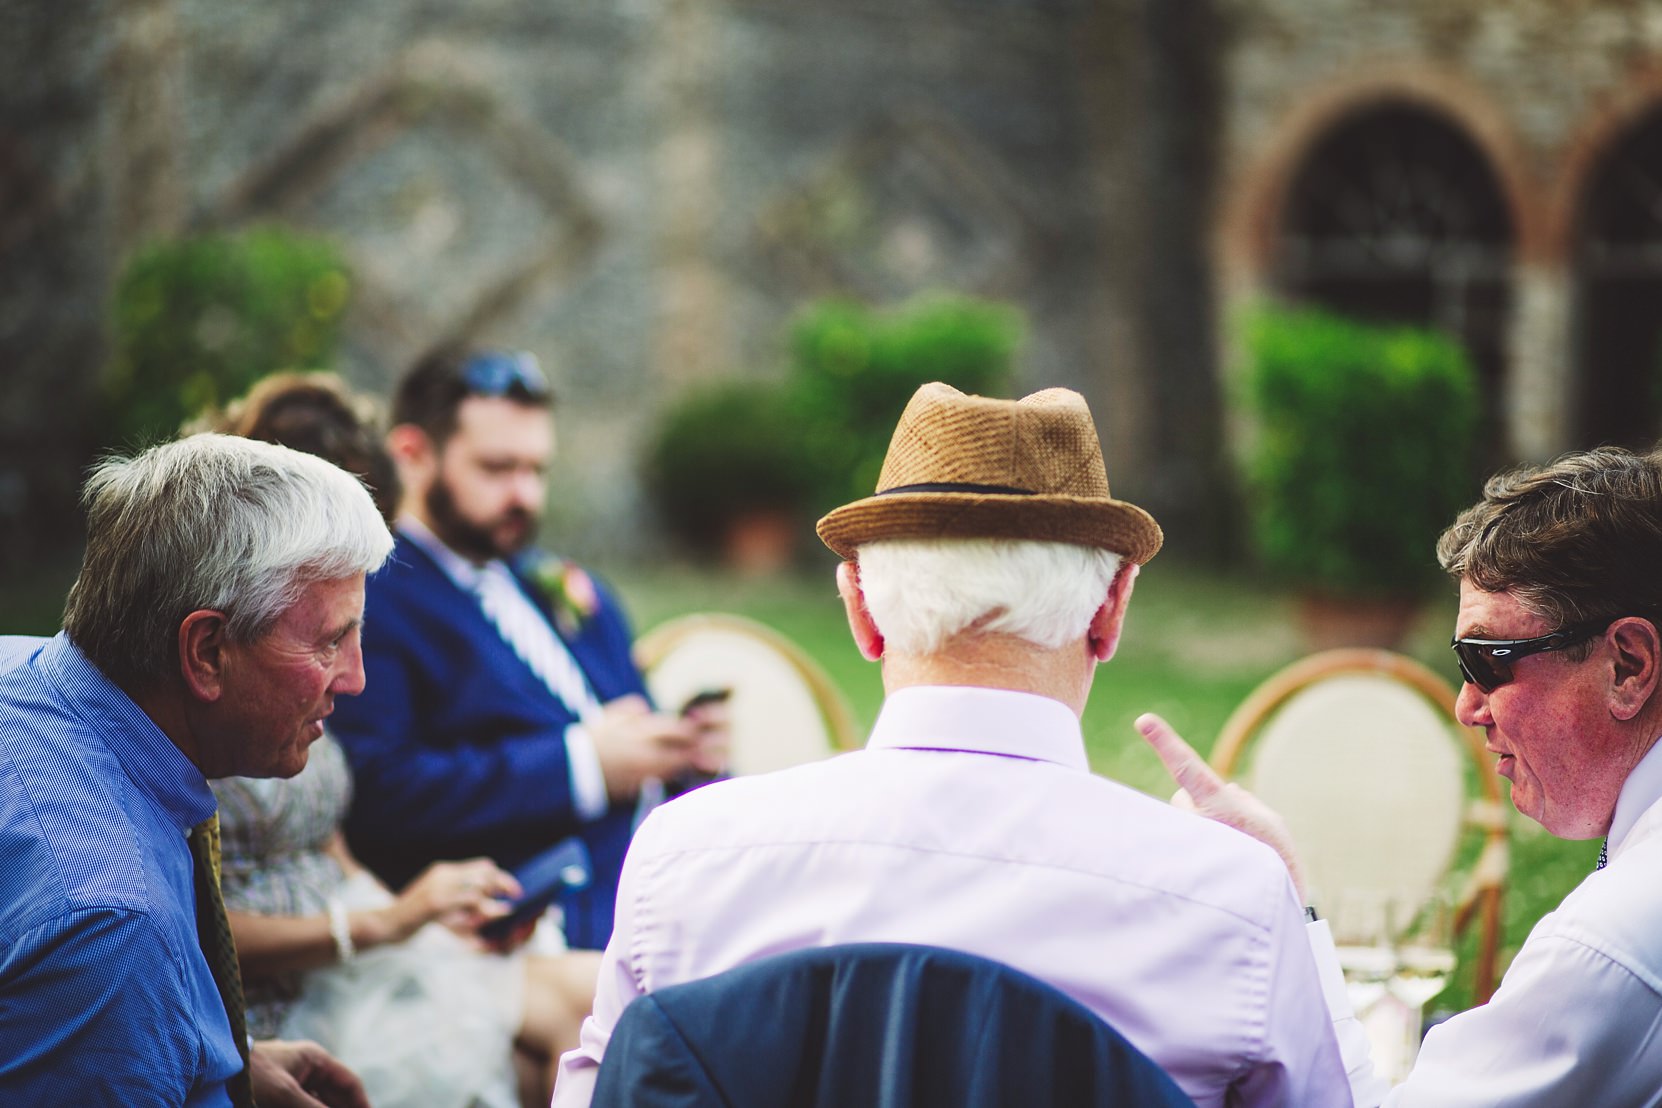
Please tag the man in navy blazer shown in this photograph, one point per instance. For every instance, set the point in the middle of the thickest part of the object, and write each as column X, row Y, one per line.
column 502, row 711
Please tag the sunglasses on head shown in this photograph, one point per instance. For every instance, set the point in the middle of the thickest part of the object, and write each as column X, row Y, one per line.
column 504, row 373
column 1487, row 663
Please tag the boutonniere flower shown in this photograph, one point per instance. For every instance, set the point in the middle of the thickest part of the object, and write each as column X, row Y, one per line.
column 570, row 591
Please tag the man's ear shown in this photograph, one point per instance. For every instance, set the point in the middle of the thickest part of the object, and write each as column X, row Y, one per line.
column 413, row 451
column 1109, row 620
column 202, row 654
column 1636, row 648
column 866, row 635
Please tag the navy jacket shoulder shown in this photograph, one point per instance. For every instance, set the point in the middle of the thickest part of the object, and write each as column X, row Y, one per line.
column 458, row 748
column 887, row 1025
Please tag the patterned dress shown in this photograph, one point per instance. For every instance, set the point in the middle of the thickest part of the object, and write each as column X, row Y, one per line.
column 427, row 1023
column 274, row 834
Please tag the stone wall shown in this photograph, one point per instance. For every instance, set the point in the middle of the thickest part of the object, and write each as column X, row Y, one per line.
column 644, row 192
column 1539, row 87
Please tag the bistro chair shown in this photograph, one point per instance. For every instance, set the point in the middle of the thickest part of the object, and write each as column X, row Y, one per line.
column 785, row 711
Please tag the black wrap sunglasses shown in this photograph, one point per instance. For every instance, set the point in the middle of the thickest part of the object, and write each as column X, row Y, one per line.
column 1487, row 663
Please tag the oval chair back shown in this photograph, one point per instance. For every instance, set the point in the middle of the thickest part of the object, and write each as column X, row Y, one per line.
column 784, row 709
column 1360, row 752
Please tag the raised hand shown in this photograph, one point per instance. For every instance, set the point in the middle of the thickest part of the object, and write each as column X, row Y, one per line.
column 1201, row 790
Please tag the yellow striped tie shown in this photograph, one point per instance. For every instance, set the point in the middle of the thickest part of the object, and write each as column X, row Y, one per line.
column 213, row 931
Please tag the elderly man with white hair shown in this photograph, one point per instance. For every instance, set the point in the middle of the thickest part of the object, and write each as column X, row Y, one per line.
column 990, row 575
column 213, row 624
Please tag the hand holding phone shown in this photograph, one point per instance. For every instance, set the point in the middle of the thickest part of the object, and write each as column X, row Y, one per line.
column 564, row 865
column 708, row 709
column 704, row 698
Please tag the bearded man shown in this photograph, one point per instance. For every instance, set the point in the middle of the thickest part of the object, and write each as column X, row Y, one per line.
column 504, row 711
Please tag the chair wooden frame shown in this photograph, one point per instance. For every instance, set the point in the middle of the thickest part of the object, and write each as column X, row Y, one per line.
column 1481, row 894
column 655, row 645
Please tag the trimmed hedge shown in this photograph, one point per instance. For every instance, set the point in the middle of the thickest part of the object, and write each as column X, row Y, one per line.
column 1364, row 448
column 725, row 450
column 816, row 437
column 200, row 319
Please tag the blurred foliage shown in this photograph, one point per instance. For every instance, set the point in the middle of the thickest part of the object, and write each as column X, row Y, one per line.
column 817, row 437
column 853, row 369
column 1363, row 448
column 723, row 451
column 199, row 319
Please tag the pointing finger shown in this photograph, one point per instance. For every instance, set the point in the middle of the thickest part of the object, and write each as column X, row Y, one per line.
column 1186, row 767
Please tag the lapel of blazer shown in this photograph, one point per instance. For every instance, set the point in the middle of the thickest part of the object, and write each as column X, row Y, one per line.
column 581, row 647
column 442, row 588
column 471, row 617
column 584, row 645
column 545, row 603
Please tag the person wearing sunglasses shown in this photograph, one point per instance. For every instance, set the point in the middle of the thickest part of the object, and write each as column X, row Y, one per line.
column 504, row 711
column 1558, row 645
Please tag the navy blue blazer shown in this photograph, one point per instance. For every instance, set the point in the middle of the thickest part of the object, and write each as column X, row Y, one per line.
column 457, row 748
column 881, row 1025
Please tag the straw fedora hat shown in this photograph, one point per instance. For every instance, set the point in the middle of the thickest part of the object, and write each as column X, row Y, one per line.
column 967, row 467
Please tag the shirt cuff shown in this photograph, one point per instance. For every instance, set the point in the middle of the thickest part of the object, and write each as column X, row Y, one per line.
column 1367, row 1089
column 588, row 783
column 1332, row 975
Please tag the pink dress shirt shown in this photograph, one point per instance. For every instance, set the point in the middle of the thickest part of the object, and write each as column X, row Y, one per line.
column 971, row 821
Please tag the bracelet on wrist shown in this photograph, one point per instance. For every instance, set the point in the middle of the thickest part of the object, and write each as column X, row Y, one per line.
column 340, row 928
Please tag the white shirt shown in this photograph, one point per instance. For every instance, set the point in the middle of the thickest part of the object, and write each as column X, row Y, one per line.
column 1577, row 1019
column 971, row 821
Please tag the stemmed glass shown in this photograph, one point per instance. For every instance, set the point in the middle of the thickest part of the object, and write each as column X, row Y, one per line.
column 1391, row 972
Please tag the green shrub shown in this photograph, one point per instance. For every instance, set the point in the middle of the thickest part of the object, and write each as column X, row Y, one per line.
column 1363, row 448
column 200, row 319
column 853, row 369
column 723, row 451
column 817, row 437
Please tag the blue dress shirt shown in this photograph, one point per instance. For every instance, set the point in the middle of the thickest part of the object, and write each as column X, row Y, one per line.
column 105, row 996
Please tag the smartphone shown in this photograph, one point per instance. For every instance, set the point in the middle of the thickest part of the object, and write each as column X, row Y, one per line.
column 705, row 697
column 542, row 879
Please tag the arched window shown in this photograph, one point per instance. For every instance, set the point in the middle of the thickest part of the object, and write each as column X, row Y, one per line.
column 1395, row 216
column 1618, row 332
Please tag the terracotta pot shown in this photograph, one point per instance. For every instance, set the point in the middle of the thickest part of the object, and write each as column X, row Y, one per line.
column 1330, row 621
column 762, row 542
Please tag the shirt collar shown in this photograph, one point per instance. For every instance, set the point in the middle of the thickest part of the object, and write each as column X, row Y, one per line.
column 151, row 761
column 459, row 569
column 1642, row 789
column 982, row 721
